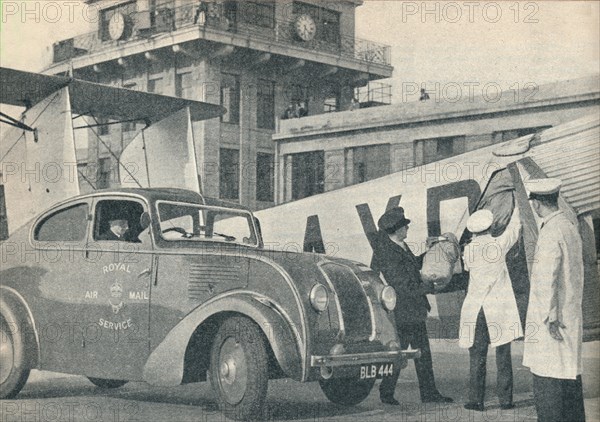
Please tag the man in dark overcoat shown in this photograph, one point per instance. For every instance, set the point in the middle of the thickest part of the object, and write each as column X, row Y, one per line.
column 400, row 268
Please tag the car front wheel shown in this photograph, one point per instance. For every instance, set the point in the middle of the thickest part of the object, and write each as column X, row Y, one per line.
column 346, row 391
column 104, row 383
column 13, row 374
column 238, row 369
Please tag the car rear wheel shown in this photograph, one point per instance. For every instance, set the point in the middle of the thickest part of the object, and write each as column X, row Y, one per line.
column 239, row 369
column 346, row 391
column 104, row 383
column 13, row 374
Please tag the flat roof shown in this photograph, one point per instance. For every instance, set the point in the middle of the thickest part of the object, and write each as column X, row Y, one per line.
column 404, row 113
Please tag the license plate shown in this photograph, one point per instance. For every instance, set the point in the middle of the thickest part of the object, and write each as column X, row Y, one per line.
column 380, row 370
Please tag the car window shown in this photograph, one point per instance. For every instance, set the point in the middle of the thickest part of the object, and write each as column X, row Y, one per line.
column 66, row 225
column 118, row 220
column 185, row 222
column 196, row 222
column 232, row 225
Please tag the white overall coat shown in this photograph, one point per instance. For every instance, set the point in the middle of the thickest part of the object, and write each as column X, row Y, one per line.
column 556, row 294
column 490, row 288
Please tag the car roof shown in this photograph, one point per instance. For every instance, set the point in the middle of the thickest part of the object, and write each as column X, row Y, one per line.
column 165, row 194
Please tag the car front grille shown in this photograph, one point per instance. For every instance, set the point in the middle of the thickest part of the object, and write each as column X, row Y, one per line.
column 353, row 301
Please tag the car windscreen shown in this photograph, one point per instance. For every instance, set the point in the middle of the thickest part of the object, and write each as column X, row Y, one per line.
column 190, row 222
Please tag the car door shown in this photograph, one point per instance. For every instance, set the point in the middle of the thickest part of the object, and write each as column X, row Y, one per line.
column 198, row 259
column 117, row 294
column 53, row 266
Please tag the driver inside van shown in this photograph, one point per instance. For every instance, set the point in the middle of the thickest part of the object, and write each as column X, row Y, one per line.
column 119, row 229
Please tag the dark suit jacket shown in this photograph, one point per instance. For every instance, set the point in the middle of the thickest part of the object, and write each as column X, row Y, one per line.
column 109, row 235
column 401, row 270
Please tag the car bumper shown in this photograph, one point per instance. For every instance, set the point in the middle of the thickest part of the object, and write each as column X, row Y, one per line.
column 364, row 358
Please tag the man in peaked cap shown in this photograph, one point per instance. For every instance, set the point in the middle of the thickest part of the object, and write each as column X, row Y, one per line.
column 400, row 267
column 490, row 307
column 553, row 336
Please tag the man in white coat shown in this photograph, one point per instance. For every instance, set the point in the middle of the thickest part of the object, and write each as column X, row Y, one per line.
column 489, row 314
column 553, row 337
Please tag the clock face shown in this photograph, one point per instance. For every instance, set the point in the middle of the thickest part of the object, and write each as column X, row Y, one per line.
column 306, row 27
column 116, row 26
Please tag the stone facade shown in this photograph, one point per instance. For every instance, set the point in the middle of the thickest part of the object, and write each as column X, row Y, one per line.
column 191, row 58
column 409, row 129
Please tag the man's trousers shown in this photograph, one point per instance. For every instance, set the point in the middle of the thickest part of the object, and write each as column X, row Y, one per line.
column 415, row 335
column 478, row 362
column 558, row 400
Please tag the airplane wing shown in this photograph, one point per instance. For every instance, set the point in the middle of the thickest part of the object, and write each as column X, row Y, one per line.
column 25, row 89
column 39, row 164
column 162, row 155
column 39, row 170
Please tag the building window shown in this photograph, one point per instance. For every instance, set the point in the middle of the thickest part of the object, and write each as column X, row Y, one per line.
column 163, row 16
column 332, row 99
column 230, row 98
column 445, row 148
column 258, row 13
column 156, row 85
column 184, row 85
column 230, row 11
column 129, row 126
column 327, row 21
column 264, row 177
column 298, row 100
column 330, row 104
column 369, row 162
column 429, row 150
column 103, row 127
column 265, row 105
column 507, row 135
column 229, row 163
column 103, row 173
column 308, row 174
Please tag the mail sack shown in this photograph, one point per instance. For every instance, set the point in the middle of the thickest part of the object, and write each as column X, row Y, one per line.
column 440, row 261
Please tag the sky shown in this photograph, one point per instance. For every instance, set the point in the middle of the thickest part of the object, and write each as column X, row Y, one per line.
column 506, row 43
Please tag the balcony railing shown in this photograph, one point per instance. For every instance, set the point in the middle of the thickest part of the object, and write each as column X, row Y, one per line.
column 374, row 94
column 214, row 16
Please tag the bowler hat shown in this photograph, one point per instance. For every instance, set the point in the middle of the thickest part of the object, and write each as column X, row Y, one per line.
column 392, row 220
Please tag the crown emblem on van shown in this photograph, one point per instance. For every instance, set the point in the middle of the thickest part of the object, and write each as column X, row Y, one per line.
column 116, row 290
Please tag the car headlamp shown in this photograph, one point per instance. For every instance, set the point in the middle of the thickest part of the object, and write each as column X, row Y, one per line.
column 319, row 299
column 388, row 298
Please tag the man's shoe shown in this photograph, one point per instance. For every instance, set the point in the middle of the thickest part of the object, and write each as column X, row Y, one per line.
column 474, row 406
column 390, row 400
column 438, row 398
column 507, row 406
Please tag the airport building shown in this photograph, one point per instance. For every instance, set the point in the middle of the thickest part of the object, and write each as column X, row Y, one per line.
column 322, row 153
column 261, row 60
column 307, row 111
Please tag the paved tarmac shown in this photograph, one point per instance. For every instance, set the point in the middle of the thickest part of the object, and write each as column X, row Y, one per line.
column 51, row 397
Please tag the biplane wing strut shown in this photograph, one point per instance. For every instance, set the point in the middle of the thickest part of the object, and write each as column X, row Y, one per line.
column 37, row 154
column 14, row 122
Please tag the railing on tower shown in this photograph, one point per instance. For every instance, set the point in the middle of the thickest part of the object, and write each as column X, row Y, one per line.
column 374, row 94
column 260, row 23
